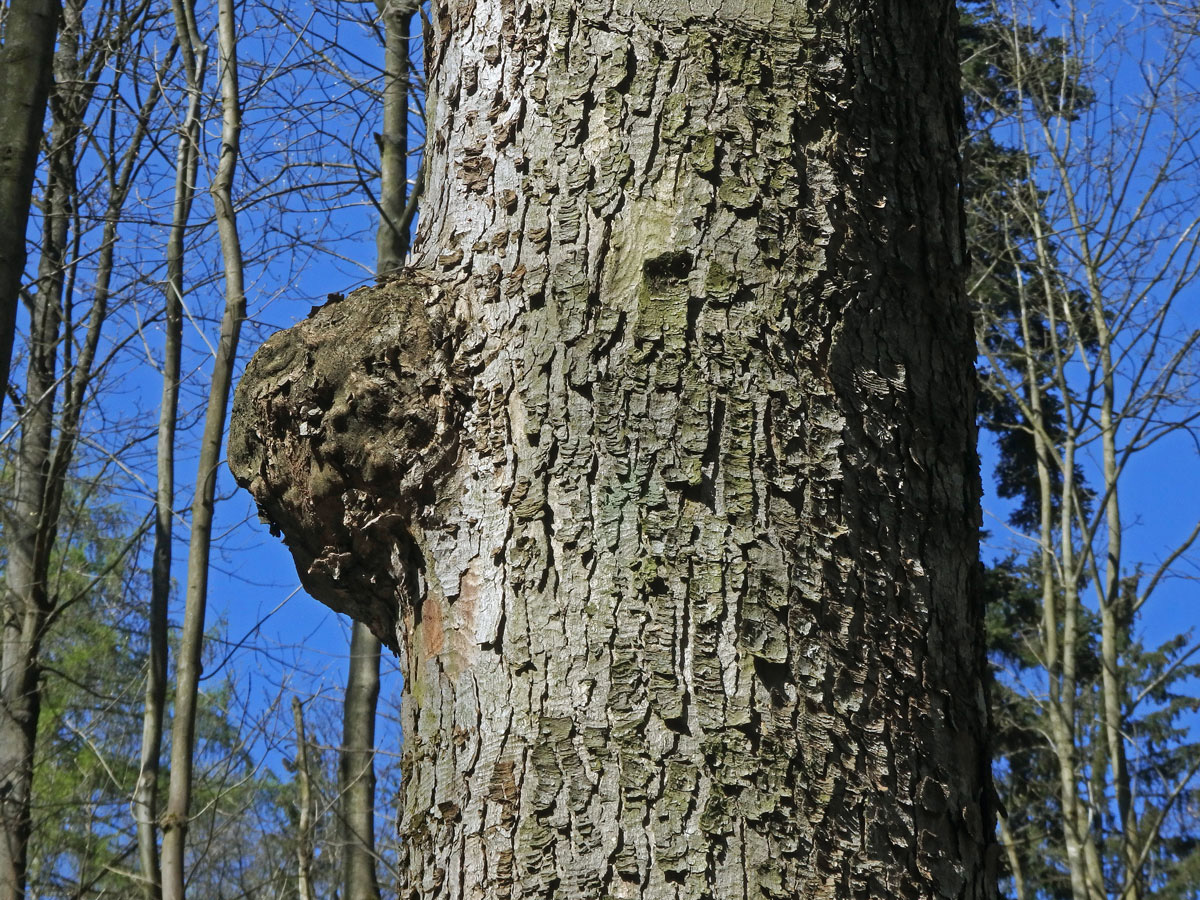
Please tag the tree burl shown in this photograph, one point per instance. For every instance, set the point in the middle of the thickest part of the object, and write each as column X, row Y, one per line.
column 366, row 393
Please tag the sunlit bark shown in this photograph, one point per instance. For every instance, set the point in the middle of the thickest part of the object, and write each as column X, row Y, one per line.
column 187, row 155
column 657, row 467
column 61, row 365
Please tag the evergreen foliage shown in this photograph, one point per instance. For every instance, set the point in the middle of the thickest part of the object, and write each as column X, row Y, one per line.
column 1031, row 309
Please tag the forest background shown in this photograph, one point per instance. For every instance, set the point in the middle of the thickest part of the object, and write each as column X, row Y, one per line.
column 1082, row 182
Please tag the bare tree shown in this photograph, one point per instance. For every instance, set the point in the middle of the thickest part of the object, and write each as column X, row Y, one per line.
column 395, row 210
column 306, row 824
column 187, row 155
column 356, row 803
column 62, row 363
column 187, row 679
column 357, row 816
column 1088, row 367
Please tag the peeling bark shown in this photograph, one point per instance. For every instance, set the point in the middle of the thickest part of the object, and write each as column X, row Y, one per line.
column 658, row 468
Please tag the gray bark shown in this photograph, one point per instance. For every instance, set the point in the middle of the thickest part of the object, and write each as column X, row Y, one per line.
column 189, row 664
column 26, row 59
column 357, row 788
column 395, row 216
column 308, row 809
column 356, row 776
column 60, row 369
column 31, row 532
column 657, row 468
column 187, row 154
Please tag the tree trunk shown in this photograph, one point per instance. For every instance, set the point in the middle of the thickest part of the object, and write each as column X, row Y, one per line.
column 356, row 788
column 308, row 809
column 26, row 59
column 60, row 371
column 187, row 155
column 395, row 217
column 189, row 663
column 658, row 468
column 31, row 534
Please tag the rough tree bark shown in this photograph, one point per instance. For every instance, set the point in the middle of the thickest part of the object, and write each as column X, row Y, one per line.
column 657, row 469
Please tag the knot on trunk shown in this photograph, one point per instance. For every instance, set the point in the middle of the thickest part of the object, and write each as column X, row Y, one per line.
column 342, row 426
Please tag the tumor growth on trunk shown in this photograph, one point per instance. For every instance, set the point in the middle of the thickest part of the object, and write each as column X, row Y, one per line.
column 342, row 427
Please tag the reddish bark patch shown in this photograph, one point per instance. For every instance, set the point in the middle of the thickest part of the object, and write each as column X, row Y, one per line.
column 432, row 637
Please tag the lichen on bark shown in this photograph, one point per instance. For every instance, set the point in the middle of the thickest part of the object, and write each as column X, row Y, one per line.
column 341, row 426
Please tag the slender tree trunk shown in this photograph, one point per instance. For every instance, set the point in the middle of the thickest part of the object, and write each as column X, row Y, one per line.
column 26, row 60
column 60, row 370
column 27, row 603
column 1067, row 683
column 356, row 788
column 1087, row 880
column 392, row 235
column 1058, row 643
column 187, row 154
column 308, row 811
column 188, row 668
column 1113, row 629
column 1014, row 859
column 674, row 421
